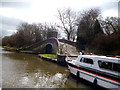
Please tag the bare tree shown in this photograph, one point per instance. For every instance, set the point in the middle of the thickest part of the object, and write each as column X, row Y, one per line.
column 46, row 29
column 28, row 34
column 110, row 25
column 86, row 24
column 68, row 20
column 86, row 27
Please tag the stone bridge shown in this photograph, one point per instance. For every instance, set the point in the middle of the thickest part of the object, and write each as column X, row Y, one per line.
column 53, row 46
column 47, row 46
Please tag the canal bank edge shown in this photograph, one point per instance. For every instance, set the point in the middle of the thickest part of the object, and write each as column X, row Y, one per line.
column 61, row 59
column 19, row 50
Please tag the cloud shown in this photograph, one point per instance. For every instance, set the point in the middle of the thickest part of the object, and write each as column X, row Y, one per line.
column 17, row 5
column 109, row 9
column 14, row 12
column 109, row 5
column 11, row 13
column 10, row 21
column 119, row 9
column 9, row 25
column 5, row 30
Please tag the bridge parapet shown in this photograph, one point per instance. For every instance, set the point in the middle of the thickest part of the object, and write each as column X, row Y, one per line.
column 68, row 42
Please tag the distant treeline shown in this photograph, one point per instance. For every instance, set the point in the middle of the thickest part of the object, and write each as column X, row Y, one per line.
column 28, row 34
column 94, row 33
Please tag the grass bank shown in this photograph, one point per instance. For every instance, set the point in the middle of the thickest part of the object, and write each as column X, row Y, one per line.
column 30, row 51
column 14, row 49
column 51, row 56
column 10, row 48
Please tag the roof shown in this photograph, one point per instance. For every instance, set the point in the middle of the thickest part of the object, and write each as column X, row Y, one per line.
column 101, row 57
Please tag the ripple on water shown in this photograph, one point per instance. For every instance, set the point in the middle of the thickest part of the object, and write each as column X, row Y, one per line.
column 54, row 81
column 44, row 81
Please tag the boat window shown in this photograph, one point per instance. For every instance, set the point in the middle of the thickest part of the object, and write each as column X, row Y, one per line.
column 109, row 65
column 81, row 60
column 105, row 65
column 87, row 60
column 116, row 67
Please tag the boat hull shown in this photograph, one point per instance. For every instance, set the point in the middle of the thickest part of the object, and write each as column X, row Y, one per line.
column 93, row 77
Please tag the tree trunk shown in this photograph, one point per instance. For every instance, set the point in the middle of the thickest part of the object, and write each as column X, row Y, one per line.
column 68, row 36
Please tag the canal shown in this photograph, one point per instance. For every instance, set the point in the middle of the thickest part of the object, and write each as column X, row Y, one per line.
column 29, row 71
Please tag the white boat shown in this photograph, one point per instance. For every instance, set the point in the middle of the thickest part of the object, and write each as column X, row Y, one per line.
column 99, row 70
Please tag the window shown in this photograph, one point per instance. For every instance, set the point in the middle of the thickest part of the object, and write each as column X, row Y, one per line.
column 109, row 65
column 105, row 65
column 116, row 67
column 81, row 60
column 86, row 60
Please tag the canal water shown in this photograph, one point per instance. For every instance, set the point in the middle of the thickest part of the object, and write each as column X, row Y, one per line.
column 29, row 71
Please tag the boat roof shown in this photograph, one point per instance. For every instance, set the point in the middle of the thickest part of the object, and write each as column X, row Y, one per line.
column 101, row 57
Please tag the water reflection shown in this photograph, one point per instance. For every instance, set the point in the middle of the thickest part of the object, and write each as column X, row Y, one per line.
column 29, row 71
column 0, row 77
column 0, row 67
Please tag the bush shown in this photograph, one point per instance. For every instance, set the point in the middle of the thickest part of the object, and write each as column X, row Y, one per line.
column 106, row 44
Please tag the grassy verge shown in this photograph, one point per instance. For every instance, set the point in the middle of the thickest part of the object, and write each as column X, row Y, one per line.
column 52, row 56
column 22, row 51
column 32, row 52
column 10, row 48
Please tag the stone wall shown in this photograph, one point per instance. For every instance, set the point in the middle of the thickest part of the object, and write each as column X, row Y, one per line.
column 68, row 42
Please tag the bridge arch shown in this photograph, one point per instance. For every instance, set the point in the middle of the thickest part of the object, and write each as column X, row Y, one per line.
column 49, row 48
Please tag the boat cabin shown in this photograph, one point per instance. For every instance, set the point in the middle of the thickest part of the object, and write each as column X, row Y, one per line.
column 107, row 64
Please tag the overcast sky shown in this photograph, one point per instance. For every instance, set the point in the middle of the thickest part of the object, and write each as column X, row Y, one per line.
column 14, row 12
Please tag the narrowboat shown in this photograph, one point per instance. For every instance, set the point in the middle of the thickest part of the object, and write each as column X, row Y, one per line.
column 100, row 70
